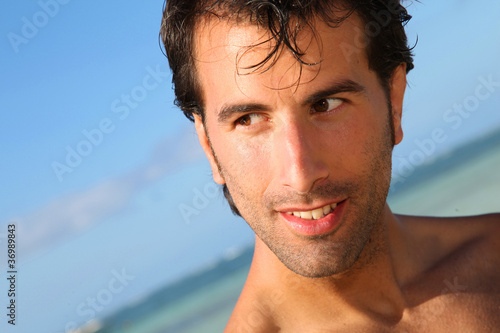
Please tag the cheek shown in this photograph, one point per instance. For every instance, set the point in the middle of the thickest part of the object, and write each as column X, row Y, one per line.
column 354, row 145
column 246, row 164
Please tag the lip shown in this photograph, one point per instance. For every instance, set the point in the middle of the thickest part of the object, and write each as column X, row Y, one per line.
column 318, row 227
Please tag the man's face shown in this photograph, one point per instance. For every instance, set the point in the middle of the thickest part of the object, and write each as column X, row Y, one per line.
column 305, row 152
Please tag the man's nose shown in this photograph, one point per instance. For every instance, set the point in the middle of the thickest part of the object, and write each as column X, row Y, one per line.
column 300, row 156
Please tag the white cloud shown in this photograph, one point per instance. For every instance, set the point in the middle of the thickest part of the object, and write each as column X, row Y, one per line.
column 67, row 216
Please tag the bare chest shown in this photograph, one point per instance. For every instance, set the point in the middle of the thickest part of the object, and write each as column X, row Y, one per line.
column 454, row 312
column 451, row 312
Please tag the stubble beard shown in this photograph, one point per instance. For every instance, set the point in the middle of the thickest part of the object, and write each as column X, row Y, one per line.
column 334, row 254
column 356, row 242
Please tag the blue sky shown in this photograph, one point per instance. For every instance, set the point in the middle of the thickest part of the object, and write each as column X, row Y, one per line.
column 121, row 206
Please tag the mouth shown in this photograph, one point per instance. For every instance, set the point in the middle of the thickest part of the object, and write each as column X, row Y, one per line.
column 316, row 222
column 315, row 214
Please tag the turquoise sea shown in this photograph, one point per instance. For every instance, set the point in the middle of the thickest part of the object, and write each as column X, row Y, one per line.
column 465, row 181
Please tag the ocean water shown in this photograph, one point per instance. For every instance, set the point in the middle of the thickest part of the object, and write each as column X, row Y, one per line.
column 201, row 302
column 463, row 182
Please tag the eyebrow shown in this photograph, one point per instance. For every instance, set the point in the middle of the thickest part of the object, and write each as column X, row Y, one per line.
column 338, row 87
column 227, row 111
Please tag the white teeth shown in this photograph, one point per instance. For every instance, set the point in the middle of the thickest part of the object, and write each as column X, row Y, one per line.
column 316, row 213
column 306, row 215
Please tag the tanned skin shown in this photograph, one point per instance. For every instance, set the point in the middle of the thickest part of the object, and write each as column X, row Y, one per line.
column 282, row 146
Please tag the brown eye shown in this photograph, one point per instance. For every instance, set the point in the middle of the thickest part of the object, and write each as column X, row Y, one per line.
column 326, row 104
column 321, row 106
column 244, row 121
column 250, row 119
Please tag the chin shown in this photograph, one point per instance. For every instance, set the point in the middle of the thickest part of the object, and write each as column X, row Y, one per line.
column 325, row 268
column 318, row 258
column 343, row 250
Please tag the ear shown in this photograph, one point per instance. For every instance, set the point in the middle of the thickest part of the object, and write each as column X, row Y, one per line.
column 205, row 144
column 398, row 86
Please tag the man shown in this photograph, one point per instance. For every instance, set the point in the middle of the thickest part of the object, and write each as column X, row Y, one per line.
column 297, row 105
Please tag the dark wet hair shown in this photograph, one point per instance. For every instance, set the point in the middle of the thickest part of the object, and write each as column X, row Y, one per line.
column 386, row 43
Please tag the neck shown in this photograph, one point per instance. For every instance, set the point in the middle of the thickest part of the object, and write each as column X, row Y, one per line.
column 371, row 286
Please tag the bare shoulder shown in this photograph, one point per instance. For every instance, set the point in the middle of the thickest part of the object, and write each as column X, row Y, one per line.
column 453, row 232
column 458, row 280
column 464, row 246
column 478, row 242
column 488, row 227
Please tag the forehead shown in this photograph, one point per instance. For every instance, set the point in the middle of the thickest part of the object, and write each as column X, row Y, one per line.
column 227, row 53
